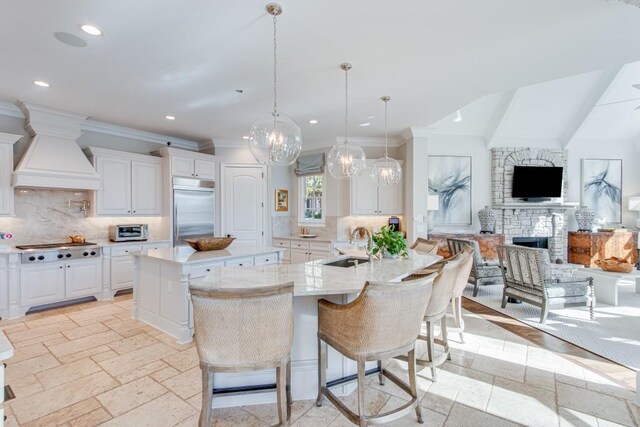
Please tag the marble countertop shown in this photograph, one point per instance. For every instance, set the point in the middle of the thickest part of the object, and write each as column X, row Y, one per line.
column 187, row 255
column 99, row 244
column 315, row 278
column 307, row 239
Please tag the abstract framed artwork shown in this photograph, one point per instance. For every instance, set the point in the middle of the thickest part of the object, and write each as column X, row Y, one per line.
column 602, row 189
column 450, row 180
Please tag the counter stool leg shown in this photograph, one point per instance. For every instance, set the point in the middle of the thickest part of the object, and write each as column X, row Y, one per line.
column 412, row 381
column 281, row 391
column 207, row 396
column 445, row 337
column 431, row 350
column 289, row 398
column 381, row 373
column 361, row 391
column 322, row 374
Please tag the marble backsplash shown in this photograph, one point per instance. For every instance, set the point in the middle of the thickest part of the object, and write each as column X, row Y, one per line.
column 335, row 228
column 44, row 216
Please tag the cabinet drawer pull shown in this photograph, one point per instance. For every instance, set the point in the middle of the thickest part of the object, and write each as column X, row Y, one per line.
column 208, row 269
column 240, row 265
column 267, row 260
column 60, row 266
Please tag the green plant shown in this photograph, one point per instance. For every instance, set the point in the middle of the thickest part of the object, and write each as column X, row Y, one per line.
column 392, row 241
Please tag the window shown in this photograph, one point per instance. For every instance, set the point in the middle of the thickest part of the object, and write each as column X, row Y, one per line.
column 311, row 199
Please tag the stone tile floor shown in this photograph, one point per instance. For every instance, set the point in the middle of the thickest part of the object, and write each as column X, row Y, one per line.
column 90, row 364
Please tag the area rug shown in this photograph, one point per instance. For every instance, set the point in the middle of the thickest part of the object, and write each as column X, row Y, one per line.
column 614, row 333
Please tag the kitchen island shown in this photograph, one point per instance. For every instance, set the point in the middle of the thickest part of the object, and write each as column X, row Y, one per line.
column 162, row 277
column 312, row 281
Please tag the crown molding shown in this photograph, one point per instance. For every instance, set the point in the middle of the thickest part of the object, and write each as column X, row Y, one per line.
column 127, row 132
column 90, row 125
column 372, row 141
column 230, row 143
column 10, row 110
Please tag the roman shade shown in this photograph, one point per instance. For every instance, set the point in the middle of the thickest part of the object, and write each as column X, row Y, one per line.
column 311, row 164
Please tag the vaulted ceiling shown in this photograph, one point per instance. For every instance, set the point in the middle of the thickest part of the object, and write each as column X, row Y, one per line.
column 186, row 58
column 601, row 105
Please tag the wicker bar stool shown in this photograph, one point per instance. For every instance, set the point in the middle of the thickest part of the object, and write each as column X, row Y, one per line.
column 425, row 246
column 462, row 279
column 382, row 322
column 437, row 311
column 244, row 330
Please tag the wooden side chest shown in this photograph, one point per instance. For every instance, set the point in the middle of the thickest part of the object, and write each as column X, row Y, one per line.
column 587, row 248
column 487, row 243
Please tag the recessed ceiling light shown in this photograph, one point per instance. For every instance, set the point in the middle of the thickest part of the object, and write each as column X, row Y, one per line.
column 313, row 121
column 170, row 117
column 41, row 83
column 245, row 137
column 371, row 117
column 91, row 29
column 365, row 124
column 458, row 117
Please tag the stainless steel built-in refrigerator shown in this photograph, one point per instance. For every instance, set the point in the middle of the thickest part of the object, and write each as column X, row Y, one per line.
column 193, row 209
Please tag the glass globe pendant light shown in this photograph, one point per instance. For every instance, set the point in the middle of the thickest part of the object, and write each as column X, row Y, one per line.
column 347, row 159
column 386, row 171
column 275, row 139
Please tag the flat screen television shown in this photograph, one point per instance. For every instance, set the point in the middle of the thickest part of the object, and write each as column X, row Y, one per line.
column 537, row 182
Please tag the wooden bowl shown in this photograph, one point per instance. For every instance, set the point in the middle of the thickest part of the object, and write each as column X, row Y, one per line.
column 614, row 264
column 210, row 243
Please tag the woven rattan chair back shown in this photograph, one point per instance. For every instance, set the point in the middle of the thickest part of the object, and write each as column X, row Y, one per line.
column 243, row 327
column 443, row 287
column 464, row 270
column 527, row 267
column 384, row 317
column 425, row 246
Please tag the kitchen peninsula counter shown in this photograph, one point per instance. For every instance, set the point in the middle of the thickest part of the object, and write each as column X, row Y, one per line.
column 313, row 280
column 161, row 280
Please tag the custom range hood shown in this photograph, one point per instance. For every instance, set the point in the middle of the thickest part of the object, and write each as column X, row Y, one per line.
column 53, row 159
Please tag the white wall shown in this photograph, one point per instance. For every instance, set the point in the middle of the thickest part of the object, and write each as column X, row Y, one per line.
column 589, row 149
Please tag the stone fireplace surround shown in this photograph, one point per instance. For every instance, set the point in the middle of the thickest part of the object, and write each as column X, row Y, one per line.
column 515, row 218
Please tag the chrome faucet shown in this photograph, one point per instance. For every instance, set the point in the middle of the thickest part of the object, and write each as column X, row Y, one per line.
column 369, row 243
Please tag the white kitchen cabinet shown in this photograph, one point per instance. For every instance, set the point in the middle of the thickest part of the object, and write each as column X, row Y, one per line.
column 192, row 168
column 369, row 199
column 115, row 196
column 6, row 168
column 54, row 282
column 120, row 262
column 82, row 278
column 299, row 256
column 146, row 188
column 41, row 284
column 4, row 284
column 131, row 184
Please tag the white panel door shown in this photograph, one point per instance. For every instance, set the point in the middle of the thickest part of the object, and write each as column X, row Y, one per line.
column 204, row 169
column 181, row 166
column 243, row 204
column 390, row 199
column 364, row 195
column 41, row 284
column 82, row 278
column 146, row 188
column 115, row 196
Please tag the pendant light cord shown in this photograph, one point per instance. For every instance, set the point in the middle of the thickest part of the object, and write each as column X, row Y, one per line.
column 386, row 130
column 275, row 71
column 346, row 106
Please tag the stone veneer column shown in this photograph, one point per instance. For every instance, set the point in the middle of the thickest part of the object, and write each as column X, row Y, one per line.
column 528, row 222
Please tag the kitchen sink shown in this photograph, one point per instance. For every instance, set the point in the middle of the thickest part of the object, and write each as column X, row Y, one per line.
column 347, row 262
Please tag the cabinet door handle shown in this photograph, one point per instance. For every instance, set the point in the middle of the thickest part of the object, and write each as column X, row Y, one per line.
column 134, row 211
column 60, row 266
column 128, row 211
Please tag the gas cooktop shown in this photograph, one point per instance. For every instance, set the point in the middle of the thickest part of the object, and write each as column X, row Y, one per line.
column 55, row 245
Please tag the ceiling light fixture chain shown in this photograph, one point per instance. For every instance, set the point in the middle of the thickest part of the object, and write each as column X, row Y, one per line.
column 346, row 160
column 386, row 170
column 275, row 138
